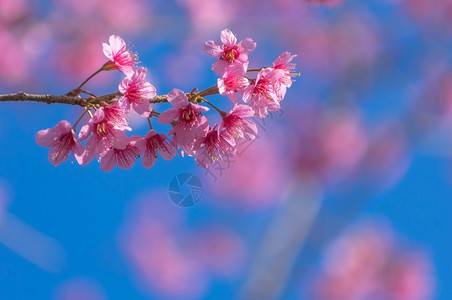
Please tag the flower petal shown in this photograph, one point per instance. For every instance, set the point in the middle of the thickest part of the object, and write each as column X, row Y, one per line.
column 228, row 38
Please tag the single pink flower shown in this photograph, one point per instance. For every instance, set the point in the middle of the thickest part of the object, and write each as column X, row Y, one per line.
column 62, row 140
column 107, row 126
column 123, row 155
column 234, row 125
column 283, row 62
column 186, row 118
column 214, row 146
column 136, row 93
column 228, row 51
column 120, row 56
column 153, row 142
column 266, row 92
column 233, row 80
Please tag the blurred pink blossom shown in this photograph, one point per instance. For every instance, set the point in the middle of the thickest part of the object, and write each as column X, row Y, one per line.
column 67, row 52
column 368, row 262
column 14, row 61
column 13, row 10
column 209, row 16
column 261, row 164
column 113, row 15
column 388, row 156
column 328, row 2
column 328, row 144
column 350, row 43
column 79, row 289
column 438, row 15
column 169, row 259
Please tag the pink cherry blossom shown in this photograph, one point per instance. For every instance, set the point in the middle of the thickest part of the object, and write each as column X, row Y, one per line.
column 215, row 146
column 186, row 118
column 233, row 80
column 107, row 126
column 283, row 62
column 228, row 51
column 266, row 92
column 234, row 125
column 136, row 93
column 120, row 56
column 62, row 140
column 150, row 144
column 122, row 155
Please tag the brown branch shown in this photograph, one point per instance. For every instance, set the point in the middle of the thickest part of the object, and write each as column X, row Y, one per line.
column 64, row 99
column 49, row 99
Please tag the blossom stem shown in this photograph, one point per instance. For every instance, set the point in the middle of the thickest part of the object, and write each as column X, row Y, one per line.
column 89, row 78
column 210, row 91
column 79, row 119
column 149, row 122
column 107, row 97
column 88, row 93
column 222, row 113
column 254, row 70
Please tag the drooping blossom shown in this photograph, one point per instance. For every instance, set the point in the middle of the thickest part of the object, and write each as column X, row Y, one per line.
column 106, row 127
column 214, row 146
column 136, row 93
column 233, row 80
column 186, row 118
column 120, row 56
column 228, row 51
column 152, row 143
column 235, row 126
column 123, row 155
column 266, row 92
column 62, row 141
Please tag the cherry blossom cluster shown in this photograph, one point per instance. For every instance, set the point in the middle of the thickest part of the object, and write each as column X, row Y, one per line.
column 190, row 134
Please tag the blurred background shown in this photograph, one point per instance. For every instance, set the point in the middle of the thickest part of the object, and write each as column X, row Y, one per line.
column 345, row 195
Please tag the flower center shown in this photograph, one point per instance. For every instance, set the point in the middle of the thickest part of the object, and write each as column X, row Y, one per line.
column 230, row 53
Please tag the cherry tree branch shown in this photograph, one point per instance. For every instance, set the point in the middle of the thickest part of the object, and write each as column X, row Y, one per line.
column 71, row 100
